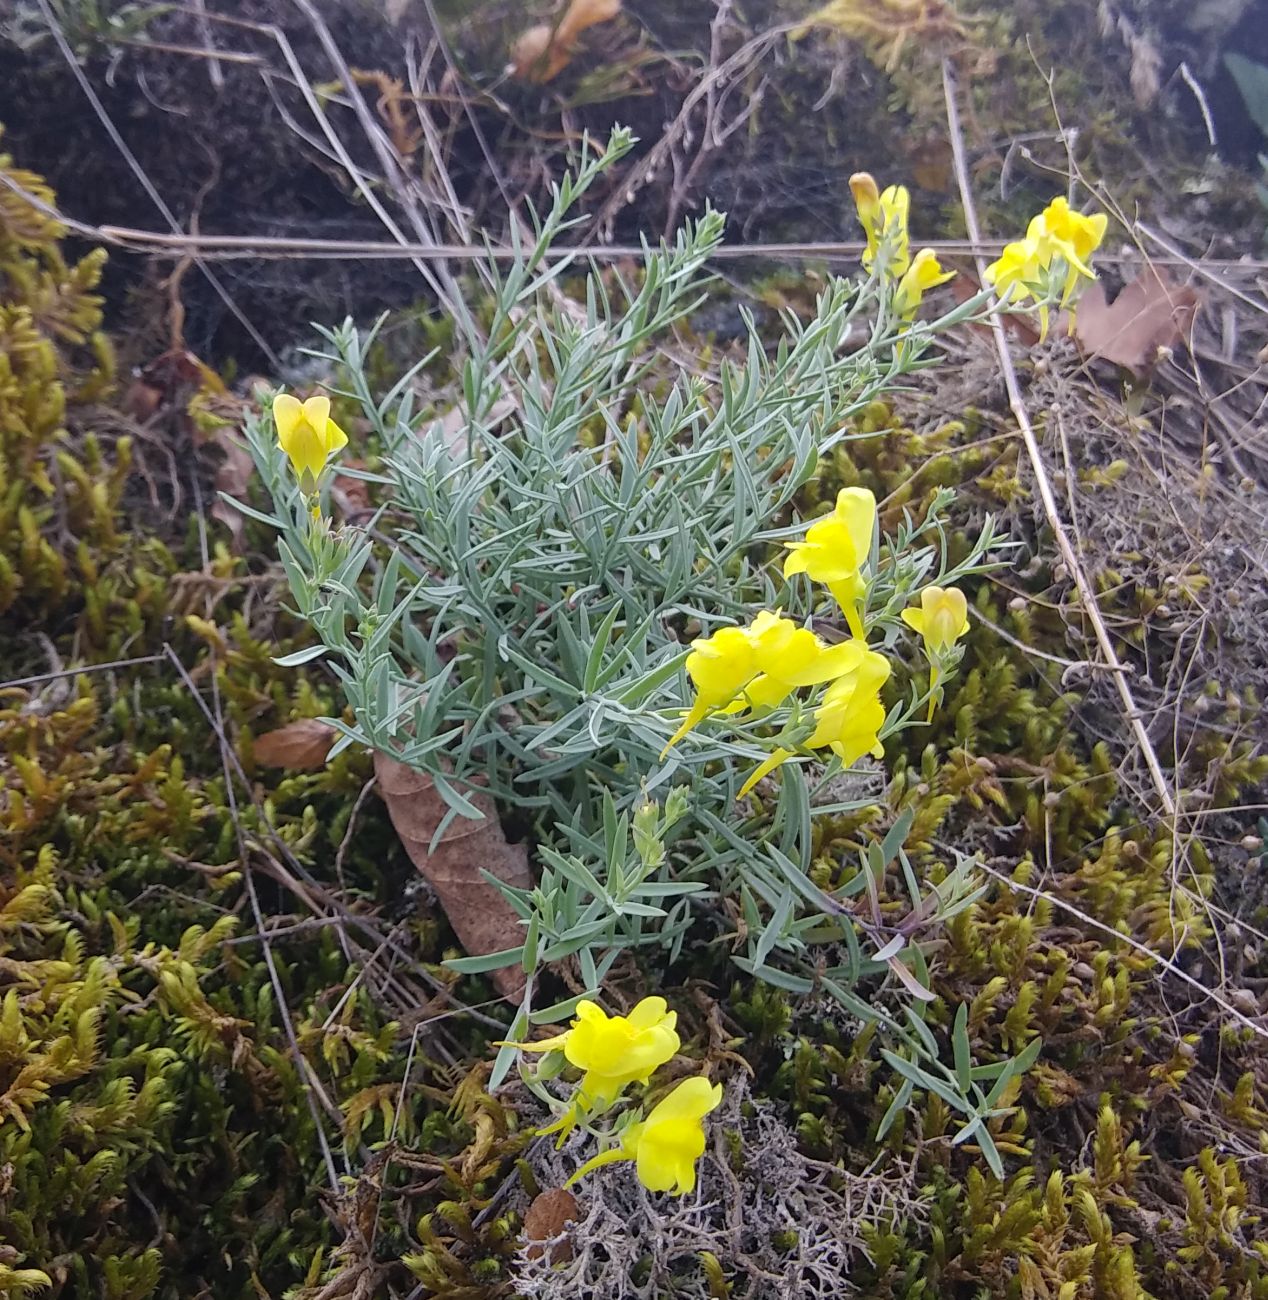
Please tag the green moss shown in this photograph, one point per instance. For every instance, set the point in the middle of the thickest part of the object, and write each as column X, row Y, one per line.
column 161, row 1136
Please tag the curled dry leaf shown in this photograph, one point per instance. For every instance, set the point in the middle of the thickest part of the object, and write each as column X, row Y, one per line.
column 233, row 477
column 301, row 746
column 550, row 1213
column 542, row 52
column 481, row 918
column 1151, row 313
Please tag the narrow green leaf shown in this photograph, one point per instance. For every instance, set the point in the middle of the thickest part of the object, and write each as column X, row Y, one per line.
column 960, row 1049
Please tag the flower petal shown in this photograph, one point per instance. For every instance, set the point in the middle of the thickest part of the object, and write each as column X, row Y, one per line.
column 652, row 1011
column 597, row 1162
column 774, row 759
column 693, row 1098
column 336, row 439
column 856, row 508
column 286, row 415
column 317, row 412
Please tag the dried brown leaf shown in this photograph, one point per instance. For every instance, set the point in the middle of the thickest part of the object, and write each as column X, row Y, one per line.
column 233, row 476
column 481, row 918
column 542, row 52
column 550, row 1213
column 1022, row 328
column 1151, row 313
column 301, row 746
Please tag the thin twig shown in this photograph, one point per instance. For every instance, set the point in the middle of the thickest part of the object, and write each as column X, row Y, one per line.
column 83, row 669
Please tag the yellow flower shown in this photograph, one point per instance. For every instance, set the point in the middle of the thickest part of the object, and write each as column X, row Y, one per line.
column 883, row 217
column 922, row 275
column 1081, row 233
column 720, row 666
column 836, row 549
column 1049, row 264
column 851, row 714
column 788, row 656
column 1018, row 268
column 848, row 717
column 941, row 620
column 614, row 1051
column 666, row 1145
column 307, row 434
column 756, row 667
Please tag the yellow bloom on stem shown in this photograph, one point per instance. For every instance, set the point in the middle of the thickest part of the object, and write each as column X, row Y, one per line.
column 720, row 666
column 307, row 434
column 666, row 1145
column 756, row 667
column 924, row 273
column 1051, row 261
column 836, row 549
column 941, row 620
column 1081, row 233
column 788, row 656
column 883, row 216
column 612, row 1052
column 851, row 714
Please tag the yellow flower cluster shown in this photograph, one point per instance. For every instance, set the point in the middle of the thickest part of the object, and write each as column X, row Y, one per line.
column 883, row 216
column 615, row 1051
column 1052, row 262
column 761, row 665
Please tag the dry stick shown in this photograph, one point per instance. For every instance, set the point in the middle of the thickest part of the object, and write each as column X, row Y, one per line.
column 214, row 70
column 231, row 247
column 1086, row 593
column 147, row 185
column 84, row 668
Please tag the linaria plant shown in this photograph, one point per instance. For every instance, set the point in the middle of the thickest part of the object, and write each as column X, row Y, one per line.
column 594, row 599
